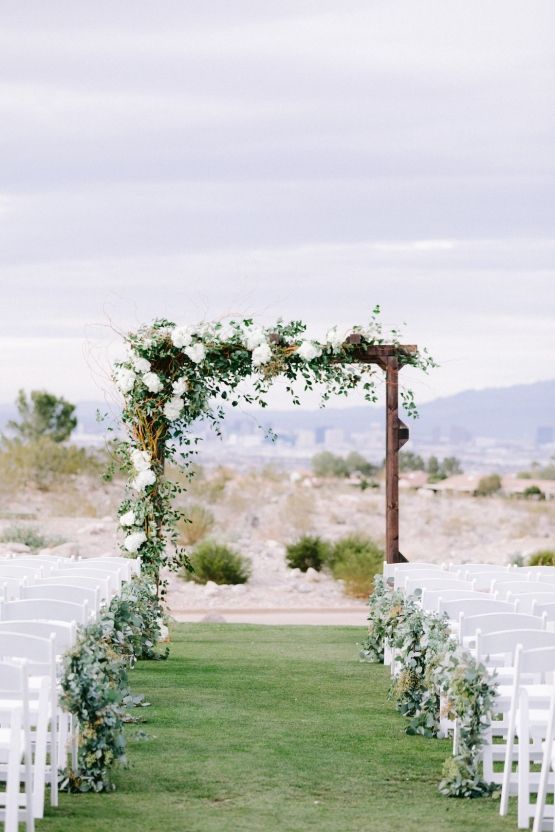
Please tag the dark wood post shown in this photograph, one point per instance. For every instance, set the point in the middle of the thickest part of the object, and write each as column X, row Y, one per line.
column 392, row 460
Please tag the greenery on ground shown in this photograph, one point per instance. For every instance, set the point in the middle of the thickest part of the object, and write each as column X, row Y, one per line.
column 44, row 463
column 277, row 729
column 437, row 470
column 544, row 558
column 211, row 561
column 355, row 560
column 29, row 536
column 489, row 485
column 196, row 522
column 306, row 552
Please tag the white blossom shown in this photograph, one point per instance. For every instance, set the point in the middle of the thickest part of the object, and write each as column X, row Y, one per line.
column 141, row 459
column 205, row 330
column 309, row 350
column 336, row 338
column 180, row 386
column 143, row 480
column 173, row 408
column 152, row 382
column 141, row 365
column 226, row 332
column 195, row 352
column 182, row 336
column 134, row 540
column 124, row 378
column 261, row 355
column 128, row 519
column 254, row 337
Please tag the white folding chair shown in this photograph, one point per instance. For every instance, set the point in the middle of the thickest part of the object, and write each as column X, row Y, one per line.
column 528, row 725
column 545, row 812
column 106, row 584
column 492, row 622
column 473, row 606
column 70, row 590
column 132, row 566
column 15, row 748
column 46, row 609
column 413, row 584
column 527, row 598
column 40, row 657
column 10, row 588
column 31, row 573
column 115, row 573
column 430, row 597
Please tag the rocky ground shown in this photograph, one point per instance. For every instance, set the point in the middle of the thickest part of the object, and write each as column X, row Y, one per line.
column 258, row 513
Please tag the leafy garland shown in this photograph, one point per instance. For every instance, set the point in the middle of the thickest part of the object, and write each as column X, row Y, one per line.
column 432, row 667
column 95, row 681
column 173, row 375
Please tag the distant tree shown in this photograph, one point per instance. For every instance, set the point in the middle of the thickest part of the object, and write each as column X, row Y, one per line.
column 326, row 464
column 357, row 464
column 409, row 461
column 43, row 415
column 489, row 485
column 451, row 466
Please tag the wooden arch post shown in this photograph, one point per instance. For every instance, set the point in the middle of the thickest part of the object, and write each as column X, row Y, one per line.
column 386, row 356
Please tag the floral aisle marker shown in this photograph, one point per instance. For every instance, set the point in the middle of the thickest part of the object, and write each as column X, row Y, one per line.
column 434, row 672
column 173, row 375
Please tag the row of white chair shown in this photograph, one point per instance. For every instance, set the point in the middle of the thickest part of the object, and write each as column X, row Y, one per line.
column 38, row 624
column 508, row 624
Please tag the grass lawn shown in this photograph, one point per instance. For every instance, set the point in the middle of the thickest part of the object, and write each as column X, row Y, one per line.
column 272, row 728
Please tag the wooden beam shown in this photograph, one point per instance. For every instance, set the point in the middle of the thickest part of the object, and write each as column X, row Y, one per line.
column 392, row 425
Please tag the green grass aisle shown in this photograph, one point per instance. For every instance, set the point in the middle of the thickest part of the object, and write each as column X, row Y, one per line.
column 272, row 728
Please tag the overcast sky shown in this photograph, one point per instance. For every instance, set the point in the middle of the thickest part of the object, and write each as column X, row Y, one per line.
column 297, row 159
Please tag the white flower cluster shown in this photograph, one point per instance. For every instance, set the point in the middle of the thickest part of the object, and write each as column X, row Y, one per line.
column 142, row 463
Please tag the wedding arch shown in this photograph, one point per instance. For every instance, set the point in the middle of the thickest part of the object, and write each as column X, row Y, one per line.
column 173, row 375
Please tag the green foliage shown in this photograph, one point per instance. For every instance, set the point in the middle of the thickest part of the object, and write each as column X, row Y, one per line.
column 438, row 471
column 43, row 415
column 533, row 492
column 409, row 461
column 307, row 551
column 431, row 670
column 326, row 464
column 489, row 485
column 544, row 558
column 212, row 561
column 95, row 681
column 356, row 560
column 29, row 536
column 196, row 522
column 43, row 463
column 539, row 472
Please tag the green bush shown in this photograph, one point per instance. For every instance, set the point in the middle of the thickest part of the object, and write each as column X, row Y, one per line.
column 326, row 464
column 544, row 558
column 308, row 551
column 29, row 536
column 212, row 561
column 533, row 492
column 356, row 560
column 195, row 524
column 489, row 485
column 44, row 463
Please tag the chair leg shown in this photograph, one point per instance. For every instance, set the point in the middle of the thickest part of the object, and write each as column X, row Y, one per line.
column 523, row 798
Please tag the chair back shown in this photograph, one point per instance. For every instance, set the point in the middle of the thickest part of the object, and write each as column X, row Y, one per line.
column 473, row 606
column 491, row 622
column 45, row 609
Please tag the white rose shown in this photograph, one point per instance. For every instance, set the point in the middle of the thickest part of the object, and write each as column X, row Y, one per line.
column 261, row 355
column 309, row 350
column 152, row 382
column 181, row 336
column 134, row 540
column 143, row 479
column 127, row 519
column 254, row 338
column 124, row 378
column 195, row 352
column 226, row 332
column 173, row 408
column 180, row 386
column 141, row 365
column 141, row 459
column 335, row 338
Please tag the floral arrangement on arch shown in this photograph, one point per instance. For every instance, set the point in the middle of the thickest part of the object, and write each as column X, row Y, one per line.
column 173, row 375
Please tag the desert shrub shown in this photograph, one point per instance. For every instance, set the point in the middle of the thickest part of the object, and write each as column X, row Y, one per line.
column 356, row 560
column 533, row 492
column 544, row 558
column 212, row 561
column 308, row 551
column 326, row 464
column 195, row 525
column 44, row 462
column 29, row 536
column 489, row 485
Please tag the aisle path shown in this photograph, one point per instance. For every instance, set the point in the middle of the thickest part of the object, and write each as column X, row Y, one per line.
column 260, row 729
